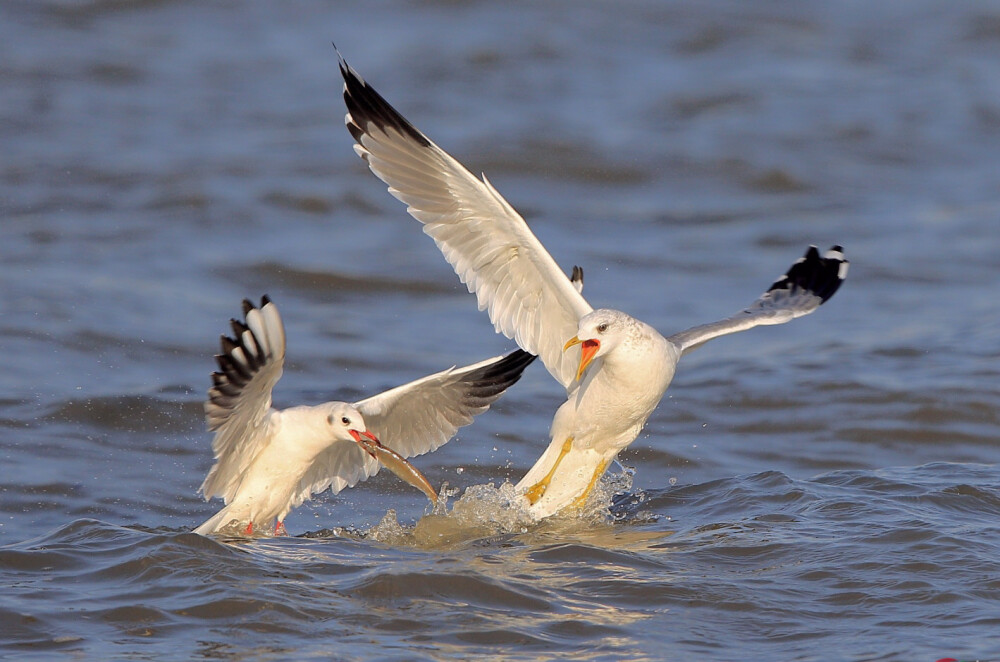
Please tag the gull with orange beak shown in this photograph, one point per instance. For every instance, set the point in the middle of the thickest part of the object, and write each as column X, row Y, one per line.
column 624, row 365
column 268, row 461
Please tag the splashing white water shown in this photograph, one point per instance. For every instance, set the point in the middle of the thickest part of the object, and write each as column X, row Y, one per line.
column 485, row 511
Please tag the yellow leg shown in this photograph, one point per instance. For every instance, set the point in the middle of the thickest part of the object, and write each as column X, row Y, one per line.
column 598, row 472
column 538, row 489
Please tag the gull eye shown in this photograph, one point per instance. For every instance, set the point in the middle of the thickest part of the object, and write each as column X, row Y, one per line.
column 345, row 420
column 602, row 327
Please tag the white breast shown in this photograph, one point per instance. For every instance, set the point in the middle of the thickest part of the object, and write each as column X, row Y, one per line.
column 618, row 395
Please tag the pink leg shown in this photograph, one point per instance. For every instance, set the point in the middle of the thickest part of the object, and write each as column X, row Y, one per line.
column 249, row 530
column 279, row 529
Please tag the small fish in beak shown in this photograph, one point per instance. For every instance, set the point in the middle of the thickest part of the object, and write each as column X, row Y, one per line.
column 394, row 462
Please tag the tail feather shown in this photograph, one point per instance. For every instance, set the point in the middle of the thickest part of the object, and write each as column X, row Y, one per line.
column 219, row 521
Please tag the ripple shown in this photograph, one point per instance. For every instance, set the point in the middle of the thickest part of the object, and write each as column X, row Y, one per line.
column 446, row 587
column 823, row 489
column 330, row 284
column 131, row 413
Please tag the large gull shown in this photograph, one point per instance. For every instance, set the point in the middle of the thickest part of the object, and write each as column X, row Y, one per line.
column 623, row 366
column 269, row 461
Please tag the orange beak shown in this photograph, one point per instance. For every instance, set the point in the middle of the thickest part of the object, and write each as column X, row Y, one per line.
column 364, row 444
column 588, row 348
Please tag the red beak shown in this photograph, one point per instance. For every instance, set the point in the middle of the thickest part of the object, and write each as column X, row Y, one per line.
column 587, row 350
column 366, row 445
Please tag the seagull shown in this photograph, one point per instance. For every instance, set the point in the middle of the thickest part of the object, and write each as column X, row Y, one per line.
column 268, row 461
column 619, row 366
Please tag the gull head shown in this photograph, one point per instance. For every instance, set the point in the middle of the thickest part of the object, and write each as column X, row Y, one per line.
column 598, row 334
column 347, row 424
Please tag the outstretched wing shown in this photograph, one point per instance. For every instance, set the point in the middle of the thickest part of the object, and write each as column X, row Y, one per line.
column 414, row 419
column 487, row 242
column 238, row 408
column 810, row 282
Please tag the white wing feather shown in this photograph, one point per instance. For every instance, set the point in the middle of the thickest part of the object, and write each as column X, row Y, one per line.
column 491, row 248
column 239, row 404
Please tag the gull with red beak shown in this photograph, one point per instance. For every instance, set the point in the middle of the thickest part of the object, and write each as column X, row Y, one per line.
column 268, row 461
column 624, row 365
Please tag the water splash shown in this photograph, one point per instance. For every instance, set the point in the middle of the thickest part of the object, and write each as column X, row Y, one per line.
column 487, row 511
column 388, row 531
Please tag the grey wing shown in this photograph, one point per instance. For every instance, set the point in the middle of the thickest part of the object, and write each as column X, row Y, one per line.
column 420, row 416
column 238, row 408
column 485, row 240
column 809, row 283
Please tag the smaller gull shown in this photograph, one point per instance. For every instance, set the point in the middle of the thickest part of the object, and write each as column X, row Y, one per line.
column 268, row 461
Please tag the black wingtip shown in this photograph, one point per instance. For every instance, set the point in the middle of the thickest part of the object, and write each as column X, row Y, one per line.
column 821, row 275
column 238, row 327
column 576, row 278
column 367, row 106
column 341, row 62
column 517, row 360
column 234, row 371
column 490, row 381
column 227, row 344
column 240, row 358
